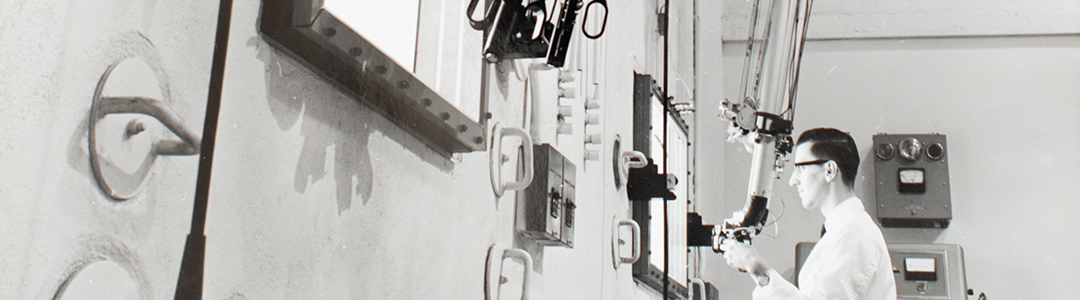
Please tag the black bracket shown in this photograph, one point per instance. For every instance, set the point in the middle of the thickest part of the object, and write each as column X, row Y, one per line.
column 697, row 234
column 646, row 183
column 527, row 31
column 773, row 124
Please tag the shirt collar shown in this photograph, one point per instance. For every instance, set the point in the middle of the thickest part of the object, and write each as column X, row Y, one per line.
column 843, row 213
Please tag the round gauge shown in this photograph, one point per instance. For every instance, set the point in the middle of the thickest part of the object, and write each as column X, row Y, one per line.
column 910, row 148
column 885, row 151
column 935, row 151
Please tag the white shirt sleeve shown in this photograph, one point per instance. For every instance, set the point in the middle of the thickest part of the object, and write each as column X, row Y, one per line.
column 778, row 288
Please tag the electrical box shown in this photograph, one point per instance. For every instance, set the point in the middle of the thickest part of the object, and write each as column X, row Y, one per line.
column 547, row 205
column 912, row 176
column 922, row 271
column 929, row 271
column 569, row 206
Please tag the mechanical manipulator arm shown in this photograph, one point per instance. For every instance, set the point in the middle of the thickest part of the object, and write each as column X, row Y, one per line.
column 763, row 119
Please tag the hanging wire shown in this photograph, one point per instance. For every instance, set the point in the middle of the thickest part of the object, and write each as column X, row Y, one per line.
column 776, row 218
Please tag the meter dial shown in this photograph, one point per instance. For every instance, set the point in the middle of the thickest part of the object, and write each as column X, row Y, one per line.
column 911, row 176
column 910, row 148
column 885, row 151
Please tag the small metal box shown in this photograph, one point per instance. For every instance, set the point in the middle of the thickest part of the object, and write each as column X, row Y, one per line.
column 569, row 205
column 911, row 172
column 546, row 207
column 922, row 271
column 929, row 271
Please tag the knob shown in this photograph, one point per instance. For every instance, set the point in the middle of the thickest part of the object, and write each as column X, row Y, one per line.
column 910, row 148
column 935, row 151
column 566, row 128
column 566, row 111
column 592, row 119
column 592, row 103
column 565, row 76
column 567, row 92
column 885, row 151
column 592, row 154
column 594, row 138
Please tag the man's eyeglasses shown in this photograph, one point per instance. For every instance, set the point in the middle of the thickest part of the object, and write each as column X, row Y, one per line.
column 810, row 163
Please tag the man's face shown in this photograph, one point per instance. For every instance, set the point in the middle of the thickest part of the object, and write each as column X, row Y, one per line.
column 808, row 177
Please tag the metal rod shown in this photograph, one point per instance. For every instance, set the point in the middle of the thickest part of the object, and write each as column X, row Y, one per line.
column 190, row 282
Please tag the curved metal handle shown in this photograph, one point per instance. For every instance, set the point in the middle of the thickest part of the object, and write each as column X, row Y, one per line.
column 627, row 162
column 189, row 143
column 482, row 23
column 491, row 290
column 524, row 256
column 691, row 289
column 616, row 241
column 603, row 23
column 496, row 157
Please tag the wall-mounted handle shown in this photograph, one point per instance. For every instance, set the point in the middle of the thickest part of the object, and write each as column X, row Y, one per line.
column 631, row 160
column 189, row 140
column 617, row 241
column 700, row 283
column 494, row 279
column 496, row 157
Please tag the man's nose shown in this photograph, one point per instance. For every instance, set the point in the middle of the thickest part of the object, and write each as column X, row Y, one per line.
column 793, row 181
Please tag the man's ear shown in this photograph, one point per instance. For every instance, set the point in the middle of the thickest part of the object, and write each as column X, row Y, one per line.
column 831, row 171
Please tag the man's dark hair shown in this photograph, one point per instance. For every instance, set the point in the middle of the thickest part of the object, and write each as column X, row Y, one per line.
column 835, row 145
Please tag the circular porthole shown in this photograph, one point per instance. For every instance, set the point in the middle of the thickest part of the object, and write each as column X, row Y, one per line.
column 885, row 151
column 100, row 280
column 935, row 151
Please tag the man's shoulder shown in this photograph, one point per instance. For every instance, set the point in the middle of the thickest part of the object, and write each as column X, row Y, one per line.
column 860, row 227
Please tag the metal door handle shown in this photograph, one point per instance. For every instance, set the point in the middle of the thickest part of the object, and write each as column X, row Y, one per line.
column 496, row 157
column 125, row 182
column 616, row 241
column 497, row 252
column 189, row 140
column 691, row 289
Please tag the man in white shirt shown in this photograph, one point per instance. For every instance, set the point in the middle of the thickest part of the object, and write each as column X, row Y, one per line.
column 851, row 260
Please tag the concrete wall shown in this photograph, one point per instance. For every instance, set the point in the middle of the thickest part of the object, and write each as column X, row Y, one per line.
column 54, row 218
column 1009, row 108
column 313, row 194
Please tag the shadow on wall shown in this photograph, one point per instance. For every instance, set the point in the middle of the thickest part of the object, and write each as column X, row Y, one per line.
column 893, row 235
column 293, row 90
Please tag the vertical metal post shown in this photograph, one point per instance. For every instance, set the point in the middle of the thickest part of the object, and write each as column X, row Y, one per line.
column 190, row 282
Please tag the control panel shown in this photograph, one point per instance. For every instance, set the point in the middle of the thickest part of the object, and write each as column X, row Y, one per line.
column 922, row 271
column 912, row 176
column 929, row 271
column 547, row 205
